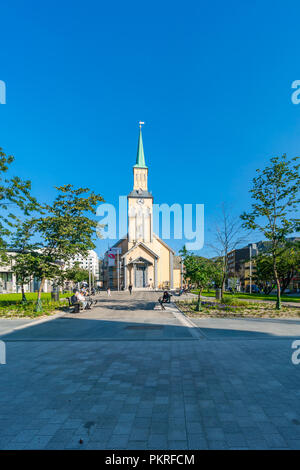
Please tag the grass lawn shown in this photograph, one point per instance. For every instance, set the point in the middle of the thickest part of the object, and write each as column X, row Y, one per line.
column 284, row 298
column 15, row 298
column 11, row 305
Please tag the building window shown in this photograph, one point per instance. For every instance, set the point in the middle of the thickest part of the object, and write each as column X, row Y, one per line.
column 6, row 277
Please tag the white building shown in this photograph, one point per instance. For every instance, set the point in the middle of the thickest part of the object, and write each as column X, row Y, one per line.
column 8, row 281
column 90, row 263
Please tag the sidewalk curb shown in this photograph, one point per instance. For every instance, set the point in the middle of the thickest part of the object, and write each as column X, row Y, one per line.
column 194, row 329
column 183, row 319
column 33, row 323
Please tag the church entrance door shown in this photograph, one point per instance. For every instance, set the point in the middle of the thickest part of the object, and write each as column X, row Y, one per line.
column 140, row 276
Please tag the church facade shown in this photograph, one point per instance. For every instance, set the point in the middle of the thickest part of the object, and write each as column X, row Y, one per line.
column 141, row 259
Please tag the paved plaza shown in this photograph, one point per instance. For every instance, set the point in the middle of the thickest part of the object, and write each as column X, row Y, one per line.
column 126, row 376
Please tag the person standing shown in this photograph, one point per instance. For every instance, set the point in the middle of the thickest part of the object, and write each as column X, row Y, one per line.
column 108, row 292
column 130, row 288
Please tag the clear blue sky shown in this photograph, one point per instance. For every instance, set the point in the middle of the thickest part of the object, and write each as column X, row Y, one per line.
column 212, row 81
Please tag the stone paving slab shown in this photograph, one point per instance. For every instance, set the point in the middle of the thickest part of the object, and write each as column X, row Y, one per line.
column 250, row 328
column 148, row 394
column 197, row 394
column 7, row 325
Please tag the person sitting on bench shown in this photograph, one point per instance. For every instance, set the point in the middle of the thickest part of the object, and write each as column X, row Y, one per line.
column 74, row 302
column 85, row 302
column 81, row 299
column 166, row 296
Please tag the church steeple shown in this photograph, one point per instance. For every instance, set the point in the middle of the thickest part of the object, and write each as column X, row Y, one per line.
column 140, row 169
column 140, row 201
column 140, row 156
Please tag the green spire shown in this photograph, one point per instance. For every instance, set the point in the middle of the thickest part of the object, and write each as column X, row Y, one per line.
column 140, row 157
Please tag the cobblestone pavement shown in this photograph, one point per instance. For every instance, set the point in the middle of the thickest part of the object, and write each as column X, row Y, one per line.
column 125, row 376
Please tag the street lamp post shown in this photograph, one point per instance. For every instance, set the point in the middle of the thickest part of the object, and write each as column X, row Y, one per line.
column 181, row 274
column 250, row 269
column 118, row 270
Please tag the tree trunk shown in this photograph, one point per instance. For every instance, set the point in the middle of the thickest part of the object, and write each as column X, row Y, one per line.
column 278, row 290
column 41, row 288
column 278, row 300
column 23, row 293
column 198, row 306
column 39, row 305
column 223, row 287
column 224, row 275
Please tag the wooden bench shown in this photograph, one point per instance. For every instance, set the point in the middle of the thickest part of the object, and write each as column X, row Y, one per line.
column 76, row 305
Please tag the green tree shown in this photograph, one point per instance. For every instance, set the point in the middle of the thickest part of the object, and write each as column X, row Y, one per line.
column 288, row 264
column 21, row 268
column 276, row 194
column 66, row 229
column 75, row 274
column 15, row 199
column 199, row 271
column 217, row 272
column 23, row 248
column 264, row 276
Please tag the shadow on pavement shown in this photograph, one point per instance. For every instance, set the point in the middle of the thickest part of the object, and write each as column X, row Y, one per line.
column 153, row 326
column 88, row 329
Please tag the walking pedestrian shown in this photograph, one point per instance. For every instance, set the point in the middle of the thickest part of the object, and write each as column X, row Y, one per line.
column 130, row 288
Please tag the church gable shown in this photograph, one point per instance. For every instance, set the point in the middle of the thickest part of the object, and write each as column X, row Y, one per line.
column 141, row 260
column 140, row 250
